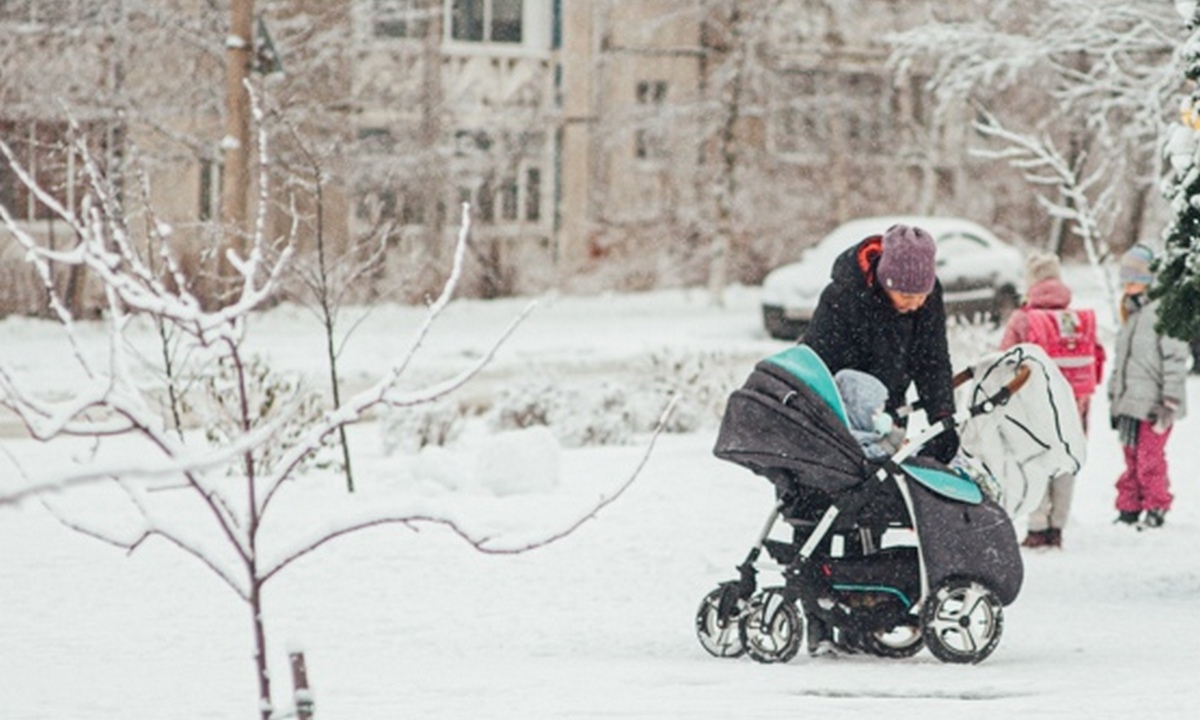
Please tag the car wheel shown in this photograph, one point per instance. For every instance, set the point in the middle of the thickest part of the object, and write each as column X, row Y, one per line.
column 780, row 326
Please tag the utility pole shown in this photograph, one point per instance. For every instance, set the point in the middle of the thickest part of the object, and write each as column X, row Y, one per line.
column 235, row 190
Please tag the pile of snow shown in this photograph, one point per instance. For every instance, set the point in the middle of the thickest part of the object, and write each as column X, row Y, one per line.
column 513, row 462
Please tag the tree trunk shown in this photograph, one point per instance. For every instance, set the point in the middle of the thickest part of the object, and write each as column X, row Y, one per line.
column 260, row 649
column 239, row 52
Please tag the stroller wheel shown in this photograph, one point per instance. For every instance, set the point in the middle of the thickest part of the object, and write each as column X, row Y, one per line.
column 962, row 621
column 901, row 641
column 718, row 629
column 772, row 628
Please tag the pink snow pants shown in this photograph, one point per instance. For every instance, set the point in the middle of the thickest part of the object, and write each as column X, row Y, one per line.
column 1144, row 484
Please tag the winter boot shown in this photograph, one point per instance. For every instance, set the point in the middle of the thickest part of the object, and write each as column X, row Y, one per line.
column 1036, row 539
column 1054, row 538
column 1128, row 517
column 1155, row 518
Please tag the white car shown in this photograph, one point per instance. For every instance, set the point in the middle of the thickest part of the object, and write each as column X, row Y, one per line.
column 981, row 275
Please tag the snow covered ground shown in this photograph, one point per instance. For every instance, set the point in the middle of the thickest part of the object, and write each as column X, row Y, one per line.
column 599, row 625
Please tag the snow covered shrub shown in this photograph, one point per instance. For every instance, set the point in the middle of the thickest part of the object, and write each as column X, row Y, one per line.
column 968, row 341
column 409, row 429
column 610, row 412
column 701, row 380
column 579, row 413
column 238, row 395
column 604, row 416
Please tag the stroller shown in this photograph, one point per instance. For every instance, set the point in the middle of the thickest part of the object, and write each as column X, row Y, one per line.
column 891, row 555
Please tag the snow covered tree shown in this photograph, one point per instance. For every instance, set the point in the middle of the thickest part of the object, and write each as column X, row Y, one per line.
column 1178, row 281
column 1085, row 80
column 206, row 440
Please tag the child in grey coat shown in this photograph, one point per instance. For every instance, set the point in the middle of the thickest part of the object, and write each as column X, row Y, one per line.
column 1147, row 394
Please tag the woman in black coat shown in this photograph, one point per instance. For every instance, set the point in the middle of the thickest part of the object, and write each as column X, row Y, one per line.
column 883, row 314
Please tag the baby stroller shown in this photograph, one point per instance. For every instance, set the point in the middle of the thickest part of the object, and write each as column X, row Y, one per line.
column 891, row 555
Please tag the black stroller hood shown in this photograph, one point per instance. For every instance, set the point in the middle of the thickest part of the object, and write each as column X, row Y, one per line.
column 786, row 423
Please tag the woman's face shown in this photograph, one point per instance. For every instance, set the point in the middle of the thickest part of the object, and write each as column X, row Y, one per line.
column 906, row 302
column 1135, row 288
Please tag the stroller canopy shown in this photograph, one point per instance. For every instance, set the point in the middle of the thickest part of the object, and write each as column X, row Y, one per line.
column 787, row 423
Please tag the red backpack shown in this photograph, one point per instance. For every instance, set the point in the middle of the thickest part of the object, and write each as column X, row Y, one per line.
column 1069, row 337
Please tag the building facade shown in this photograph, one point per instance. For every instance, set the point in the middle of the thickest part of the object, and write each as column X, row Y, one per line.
column 626, row 141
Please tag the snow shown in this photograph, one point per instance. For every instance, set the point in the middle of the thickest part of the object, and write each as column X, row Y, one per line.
column 600, row 624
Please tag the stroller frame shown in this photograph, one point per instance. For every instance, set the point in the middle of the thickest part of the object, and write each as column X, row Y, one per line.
column 957, row 615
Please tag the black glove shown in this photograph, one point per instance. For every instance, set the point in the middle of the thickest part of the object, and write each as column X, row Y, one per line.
column 942, row 447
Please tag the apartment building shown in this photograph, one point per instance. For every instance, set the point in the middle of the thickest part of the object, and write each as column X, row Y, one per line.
column 583, row 134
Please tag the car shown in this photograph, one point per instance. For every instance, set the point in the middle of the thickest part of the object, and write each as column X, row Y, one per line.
column 981, row 275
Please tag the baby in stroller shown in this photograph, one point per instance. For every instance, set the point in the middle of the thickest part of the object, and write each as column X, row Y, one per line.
column 888, row 552
column 864, row 397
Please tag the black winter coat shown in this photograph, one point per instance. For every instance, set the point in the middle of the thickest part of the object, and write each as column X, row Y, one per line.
column 856, row 326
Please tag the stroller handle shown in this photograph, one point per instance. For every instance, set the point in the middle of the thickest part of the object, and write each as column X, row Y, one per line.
column 962, row 376
column 1002, row 395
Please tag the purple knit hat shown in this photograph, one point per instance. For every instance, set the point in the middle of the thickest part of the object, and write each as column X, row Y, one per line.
column 907, row 262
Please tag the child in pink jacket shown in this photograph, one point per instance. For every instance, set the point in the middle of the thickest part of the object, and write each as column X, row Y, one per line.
column 1068, row 336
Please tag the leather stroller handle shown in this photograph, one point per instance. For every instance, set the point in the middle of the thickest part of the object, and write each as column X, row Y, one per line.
column 966, row 374
column 1013, row 385
column 1002, row 395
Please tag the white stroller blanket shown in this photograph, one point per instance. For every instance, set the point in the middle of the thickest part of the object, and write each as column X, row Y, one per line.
column 1037, row 436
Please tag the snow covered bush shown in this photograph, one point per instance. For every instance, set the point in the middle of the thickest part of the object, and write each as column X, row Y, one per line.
column 591, row 412
column 700, row 380
column 584, row 411
column 408, row 430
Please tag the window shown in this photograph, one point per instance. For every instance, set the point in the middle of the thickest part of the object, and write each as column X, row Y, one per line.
column 45, row 151
column 375, row 202
column 831, row 109
column 533, row 194
column 508, row 199
column 511, row 200
column 375, row 141
column 471, row 142
column 496, row 21
column 399, row 18
column 210, row 189
column 650, row 140
column 49, row 12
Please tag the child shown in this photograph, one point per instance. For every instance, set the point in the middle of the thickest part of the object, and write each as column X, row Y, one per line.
column 1068, row 335
column 864, row 397
column 1147, row 393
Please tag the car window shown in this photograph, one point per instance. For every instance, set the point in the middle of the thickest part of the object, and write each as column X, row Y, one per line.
column 961, row 244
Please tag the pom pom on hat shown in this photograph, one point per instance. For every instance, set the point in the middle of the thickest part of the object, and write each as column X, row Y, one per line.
column 1042, row 266
column 1135, row 265
column 906, row 264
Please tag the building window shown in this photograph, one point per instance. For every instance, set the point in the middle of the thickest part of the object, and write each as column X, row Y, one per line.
column 47, row 152
column 375, row 141
column 210, row 189
column 497, row 21
column 508, row 199
column 399, row 18
column 650, row 140
column 533, row 194
column 854, row 110
column 50, row 12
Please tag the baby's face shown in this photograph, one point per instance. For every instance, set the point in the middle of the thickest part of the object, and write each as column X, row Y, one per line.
column 882, row 421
